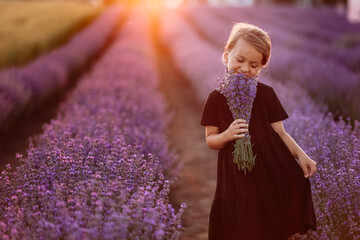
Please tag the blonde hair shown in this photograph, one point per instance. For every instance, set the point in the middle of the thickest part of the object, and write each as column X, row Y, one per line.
column 251, row 34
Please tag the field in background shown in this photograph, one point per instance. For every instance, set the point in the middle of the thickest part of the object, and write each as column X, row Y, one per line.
column 28, row 29
column 101, row 165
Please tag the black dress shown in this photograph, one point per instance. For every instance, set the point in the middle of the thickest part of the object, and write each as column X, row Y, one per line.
column 273, row 201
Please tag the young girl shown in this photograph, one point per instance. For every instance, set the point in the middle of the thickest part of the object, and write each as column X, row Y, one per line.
column 273, row 201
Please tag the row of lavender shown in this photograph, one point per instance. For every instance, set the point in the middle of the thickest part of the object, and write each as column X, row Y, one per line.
column 335, row 146
column 23, row 87
column 308, row 54
column 324, row 34
column 102, row 168
column 193, row 56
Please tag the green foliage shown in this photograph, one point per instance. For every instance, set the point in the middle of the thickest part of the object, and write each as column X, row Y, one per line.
column 243, row 155
column 30, row 28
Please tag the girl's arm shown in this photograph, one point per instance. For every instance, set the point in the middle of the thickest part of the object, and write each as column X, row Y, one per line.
column 217, row 141
column 306, row 163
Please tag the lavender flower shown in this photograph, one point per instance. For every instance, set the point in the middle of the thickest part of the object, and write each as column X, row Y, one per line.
column 240, row 92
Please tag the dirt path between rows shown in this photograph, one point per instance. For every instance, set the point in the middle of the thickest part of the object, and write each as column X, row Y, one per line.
column 197, row 179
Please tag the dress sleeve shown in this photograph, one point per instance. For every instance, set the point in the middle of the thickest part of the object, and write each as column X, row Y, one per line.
column 275, row 110
column 210, row 114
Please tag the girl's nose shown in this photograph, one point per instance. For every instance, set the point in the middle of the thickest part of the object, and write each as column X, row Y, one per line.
column 244, row 69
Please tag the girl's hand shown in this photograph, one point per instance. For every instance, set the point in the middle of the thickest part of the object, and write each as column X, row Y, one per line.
column 307, row 165
column 236, row 128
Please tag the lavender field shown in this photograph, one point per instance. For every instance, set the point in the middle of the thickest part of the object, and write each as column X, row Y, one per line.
column 101, row 169
column 110, row 164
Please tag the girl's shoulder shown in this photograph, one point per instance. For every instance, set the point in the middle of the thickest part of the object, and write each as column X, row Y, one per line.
column 215, row 97
column 265, row 90
column 215, row 94
column 264, row 86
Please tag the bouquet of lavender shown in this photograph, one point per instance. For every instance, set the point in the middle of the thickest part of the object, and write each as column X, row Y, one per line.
column 240, row 92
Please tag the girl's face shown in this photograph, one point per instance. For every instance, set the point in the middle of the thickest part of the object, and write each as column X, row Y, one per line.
column 244, row 58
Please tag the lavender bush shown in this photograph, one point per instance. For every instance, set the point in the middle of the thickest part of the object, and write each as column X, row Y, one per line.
column 334, row 145
column 313, row 19
column 205, row 16
column 102, row 168
column 21, row 87
column 310, row 36
column 326, row 81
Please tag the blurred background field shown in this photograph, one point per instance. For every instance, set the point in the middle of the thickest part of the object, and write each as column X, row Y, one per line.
column 30, row 28
column 143, row 72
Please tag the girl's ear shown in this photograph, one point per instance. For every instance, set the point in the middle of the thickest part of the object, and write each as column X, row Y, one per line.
column 258, row 73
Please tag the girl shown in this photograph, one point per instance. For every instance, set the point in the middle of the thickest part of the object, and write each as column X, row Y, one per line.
column 273, row 201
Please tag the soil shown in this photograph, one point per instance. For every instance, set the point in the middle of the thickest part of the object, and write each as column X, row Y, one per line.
column 197, row 179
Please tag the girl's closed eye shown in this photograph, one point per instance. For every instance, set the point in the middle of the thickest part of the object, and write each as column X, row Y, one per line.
column 252, row 66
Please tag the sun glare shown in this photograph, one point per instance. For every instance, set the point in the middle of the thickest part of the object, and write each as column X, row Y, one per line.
column 173, row 3
column 159, row 4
